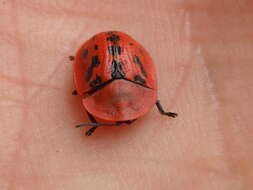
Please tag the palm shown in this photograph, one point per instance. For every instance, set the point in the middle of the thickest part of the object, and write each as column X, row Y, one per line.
column 197, row 48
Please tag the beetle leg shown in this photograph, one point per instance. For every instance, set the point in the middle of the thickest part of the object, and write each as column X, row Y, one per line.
column 93, row 120
column 125, row 122
column 74, row 92
column 161, row 110
column 90, row 131
column 71, row 58
column 95, row 125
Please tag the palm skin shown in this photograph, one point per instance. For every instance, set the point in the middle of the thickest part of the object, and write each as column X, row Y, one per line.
column 203, row 54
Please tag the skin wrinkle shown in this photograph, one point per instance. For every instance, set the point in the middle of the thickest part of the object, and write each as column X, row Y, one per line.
column 219, row 124
column 20, row 138
column 231, row 139
column 21, row 82
column 70, row 10
column 187, row 65
column 215, row 103
column 58, row 66
column 50, row 77
column 11, row 39
column 8, row 101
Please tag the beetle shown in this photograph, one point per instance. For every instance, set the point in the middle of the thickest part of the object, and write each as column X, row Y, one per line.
column 116, row 78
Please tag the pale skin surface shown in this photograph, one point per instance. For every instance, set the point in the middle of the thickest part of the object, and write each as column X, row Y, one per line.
column 203, row 55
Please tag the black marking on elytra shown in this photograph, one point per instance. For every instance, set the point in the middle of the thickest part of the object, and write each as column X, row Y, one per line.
column 113, row 38
column 117, row 70
column 131, row 44
column 114, row 50
column 85, row 53
column 94, row 63
column 139, row 79
column 138, row 62
column 96, row 82
column 96, row 47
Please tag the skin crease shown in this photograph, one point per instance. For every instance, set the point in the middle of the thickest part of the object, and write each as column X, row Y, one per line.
column 203, row 54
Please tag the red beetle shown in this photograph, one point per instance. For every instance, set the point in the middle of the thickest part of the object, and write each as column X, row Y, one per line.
column 115, row 76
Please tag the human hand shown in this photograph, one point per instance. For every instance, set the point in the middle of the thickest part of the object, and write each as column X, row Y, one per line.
column 202, row 52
